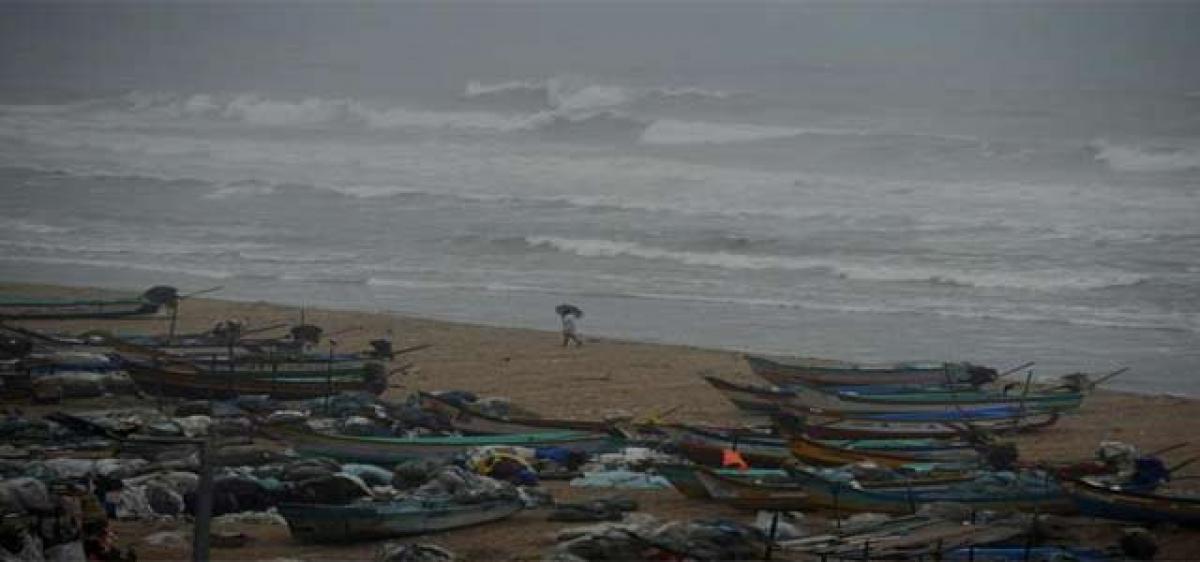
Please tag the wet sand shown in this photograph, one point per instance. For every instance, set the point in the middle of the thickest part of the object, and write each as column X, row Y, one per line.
column 532, row 369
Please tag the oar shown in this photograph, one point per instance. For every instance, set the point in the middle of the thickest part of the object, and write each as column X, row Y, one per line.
column 1016, row 369
column 174, row 306
column 656, row 418
column 412, row 349
column 264, row 328
column 1167, row 449
column 1111, row 375
column 201, row 292
column 344, row 331
column 1183, row 464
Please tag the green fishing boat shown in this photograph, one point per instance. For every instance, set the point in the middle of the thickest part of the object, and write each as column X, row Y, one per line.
column 391, row 450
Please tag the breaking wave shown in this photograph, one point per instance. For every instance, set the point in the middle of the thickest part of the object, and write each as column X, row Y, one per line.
column 1134, row 158
column 158, row 268
column 585, row 112
column 1048, row 279
column 574, row 94
column 255, row 109
column 670, row 132
column 22, row 225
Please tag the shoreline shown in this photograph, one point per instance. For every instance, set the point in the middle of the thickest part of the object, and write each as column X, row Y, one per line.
column 607, row 375
column 533, row 370
column 1118, row 385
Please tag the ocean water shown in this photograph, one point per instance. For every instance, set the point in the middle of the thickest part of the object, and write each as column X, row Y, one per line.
column 876, row 181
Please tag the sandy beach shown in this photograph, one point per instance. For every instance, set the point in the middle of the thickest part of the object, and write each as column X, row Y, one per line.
column 532, row 369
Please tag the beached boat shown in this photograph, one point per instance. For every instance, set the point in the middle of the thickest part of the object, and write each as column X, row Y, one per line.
column 747, row 494
column 391, row 450
column 471, row 421
column 707, row 446
column 752, row 399
column 766, row 400
column 814, row 371
column 283, row 381
column 380, row 520
column 810, row 490
column 1112, row 502
column 281, row 376
column 683, row 477
column 149, row 302
column 816, row 452
column 818, row 399
column 1024, row 553
column 834, row 425
column 910, row 537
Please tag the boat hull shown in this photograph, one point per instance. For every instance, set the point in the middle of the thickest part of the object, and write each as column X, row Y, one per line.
column 347, row 523
column 815, row 452
column 836, row 373
column 389, row 450
column 1124, row 506
column 471, row 422
column 819, row 400
column 835, row 426
column 190, row 383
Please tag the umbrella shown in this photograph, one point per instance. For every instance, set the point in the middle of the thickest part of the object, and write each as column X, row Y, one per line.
column 161, row 294
column 568, row 309
column 307, row 333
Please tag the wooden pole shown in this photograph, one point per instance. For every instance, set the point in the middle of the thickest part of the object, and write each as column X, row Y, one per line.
column 1016, row 369
column 771, row 536
column 174, row 317
column 204, row 501
column 329, row 377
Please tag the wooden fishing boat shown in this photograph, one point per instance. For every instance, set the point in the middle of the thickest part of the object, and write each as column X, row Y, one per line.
column 683, row 477
column 1109, row 502
column 818, row 399
column 816, row 452
column 836, row 425
column 814, row 371
column 380, row 520
column 284, row 377
column 707, row 446
column 189, row 381
column 766, row 400
column 809, row 490
column 911, row 537
column 147, row 303
column 471, row 421
column 1024, row 553
column 746, row 494
column 755, row 400
column 392, row 450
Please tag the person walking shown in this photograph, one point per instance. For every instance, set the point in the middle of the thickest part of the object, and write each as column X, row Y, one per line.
column 570, row 331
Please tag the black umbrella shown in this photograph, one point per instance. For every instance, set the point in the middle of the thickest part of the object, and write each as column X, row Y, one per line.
column 307, row 333
column 568, row 309
column 159, row 295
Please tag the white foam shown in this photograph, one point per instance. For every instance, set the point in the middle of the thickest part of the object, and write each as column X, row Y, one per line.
column 573, row 93
column 241, row 190
column 1134, row 158
column 674, row 132
column 123, row 264
column 691, row 93
column 259, row 110
column 878, row 270
column 612, row 248
column 23, row 225
column 477, row 89
column 670, row 131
